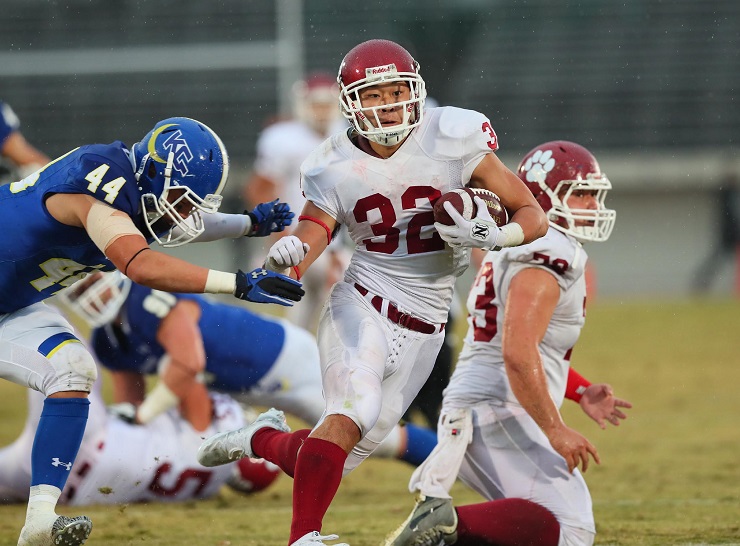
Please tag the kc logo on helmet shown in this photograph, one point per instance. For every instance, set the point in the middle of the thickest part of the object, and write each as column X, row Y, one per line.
column 179, row 146
column 479, row 231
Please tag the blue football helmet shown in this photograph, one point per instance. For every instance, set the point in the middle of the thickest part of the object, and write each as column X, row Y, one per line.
column 186, row 156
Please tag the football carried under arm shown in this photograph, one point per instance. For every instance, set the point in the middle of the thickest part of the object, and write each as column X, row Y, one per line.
column 481, row 231
column 491, row 174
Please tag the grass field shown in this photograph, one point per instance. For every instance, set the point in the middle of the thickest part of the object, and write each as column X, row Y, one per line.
column 669, row 475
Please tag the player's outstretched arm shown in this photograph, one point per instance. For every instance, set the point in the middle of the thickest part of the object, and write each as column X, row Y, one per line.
column 23, row 154
column 263, row 220
column 116, row 235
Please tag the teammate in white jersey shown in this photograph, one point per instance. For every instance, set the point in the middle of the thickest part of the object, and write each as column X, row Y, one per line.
column 281, row 148
column 119, row 462
column 382, row 328
column 500, row 430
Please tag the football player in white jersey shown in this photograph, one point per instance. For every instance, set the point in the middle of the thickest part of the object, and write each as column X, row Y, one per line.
column 382, row 327
column 119, row 462
column 281, row 148
column 500, row 430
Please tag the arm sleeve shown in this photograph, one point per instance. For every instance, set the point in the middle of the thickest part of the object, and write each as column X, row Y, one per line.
column 220, row 225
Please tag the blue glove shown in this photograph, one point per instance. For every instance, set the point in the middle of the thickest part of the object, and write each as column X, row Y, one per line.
column 263, row 286
column 269, row 217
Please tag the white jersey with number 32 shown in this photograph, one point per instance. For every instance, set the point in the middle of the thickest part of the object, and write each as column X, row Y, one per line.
column 480, row 374
column 386, row 205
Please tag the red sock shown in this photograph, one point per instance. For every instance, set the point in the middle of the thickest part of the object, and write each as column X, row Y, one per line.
column 318, row 473
column 278, row 447
column 507, row 522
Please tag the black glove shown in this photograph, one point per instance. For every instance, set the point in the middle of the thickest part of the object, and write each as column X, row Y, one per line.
column 263, row 286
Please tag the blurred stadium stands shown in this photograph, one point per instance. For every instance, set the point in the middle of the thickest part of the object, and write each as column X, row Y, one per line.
column 652, row 87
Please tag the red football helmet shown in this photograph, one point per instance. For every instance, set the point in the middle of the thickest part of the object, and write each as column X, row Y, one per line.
column 553, row 171
column 372, row 63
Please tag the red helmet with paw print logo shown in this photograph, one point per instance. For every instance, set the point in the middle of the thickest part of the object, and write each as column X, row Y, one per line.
column 377, row 62
column 555, row 171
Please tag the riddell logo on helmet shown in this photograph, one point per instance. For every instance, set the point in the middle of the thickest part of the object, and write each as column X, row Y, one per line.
column 375, row 70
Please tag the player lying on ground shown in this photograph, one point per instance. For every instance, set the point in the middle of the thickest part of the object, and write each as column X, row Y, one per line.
column 119, row 462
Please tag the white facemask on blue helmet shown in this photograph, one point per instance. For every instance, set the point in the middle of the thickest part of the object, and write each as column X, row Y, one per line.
column 97, row 298
column 181, row 166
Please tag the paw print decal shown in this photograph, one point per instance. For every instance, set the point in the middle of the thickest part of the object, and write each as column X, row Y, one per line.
column 539, row 165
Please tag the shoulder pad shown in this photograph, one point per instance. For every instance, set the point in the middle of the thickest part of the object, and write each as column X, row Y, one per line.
column 459, row 122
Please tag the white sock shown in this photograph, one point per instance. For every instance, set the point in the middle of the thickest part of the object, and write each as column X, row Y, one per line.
column 42, row 500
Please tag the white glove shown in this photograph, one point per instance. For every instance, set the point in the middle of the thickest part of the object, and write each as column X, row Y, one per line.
column 286, row 253
column 480, row 232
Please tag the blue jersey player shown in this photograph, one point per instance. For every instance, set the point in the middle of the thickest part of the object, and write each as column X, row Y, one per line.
column 97, row 208
column 25, row 158
column 137, row 331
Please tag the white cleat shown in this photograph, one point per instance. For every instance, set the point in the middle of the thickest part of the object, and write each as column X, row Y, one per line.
column 227, row 447
column 314, row 538
column 56, row 531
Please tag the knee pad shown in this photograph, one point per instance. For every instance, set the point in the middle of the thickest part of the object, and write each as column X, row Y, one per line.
column 74, row 368
column 368, row 400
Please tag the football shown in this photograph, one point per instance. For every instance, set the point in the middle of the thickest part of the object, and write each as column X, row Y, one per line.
column 462, row 200
column 495, row 208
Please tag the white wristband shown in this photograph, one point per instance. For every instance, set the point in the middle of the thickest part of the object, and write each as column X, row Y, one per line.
column 511, row 234
column 220, row 282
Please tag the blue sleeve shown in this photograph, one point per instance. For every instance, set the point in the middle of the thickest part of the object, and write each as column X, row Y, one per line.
column 9, row 122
